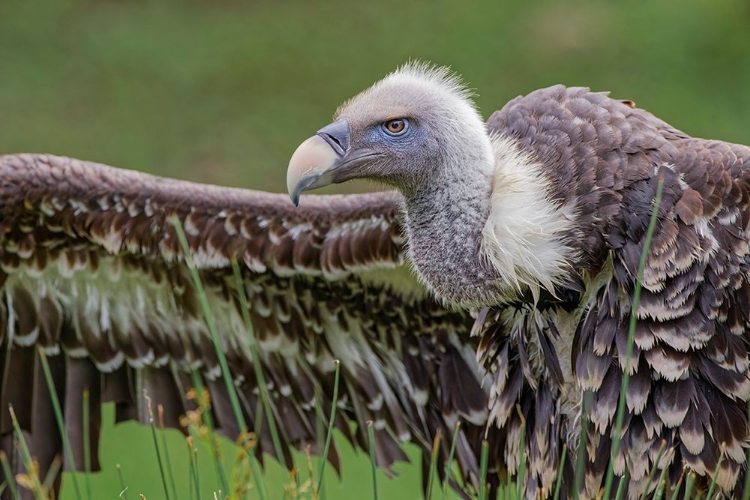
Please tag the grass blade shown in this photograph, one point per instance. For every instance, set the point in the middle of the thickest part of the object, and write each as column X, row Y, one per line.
column 622, row 487
column 200, row 421
column 373, row 466
column 211, row 323
column 9, row 477
column 676, row 490
column 156, row 444
column 160, row 413
column 451, row 453
column 433, row 463
column 689, row 483
column 259, row 376
column 580, row 466
column 196, row 483
column 60, row 421
column 616, row 436
column 651, row 474
column 712, row 486
column 329, row 432
column 560, row 467
column 87, row 441
column 30, row 480
column 123, row 487
column 52, row 473
column 483, row 462
column 659, row 493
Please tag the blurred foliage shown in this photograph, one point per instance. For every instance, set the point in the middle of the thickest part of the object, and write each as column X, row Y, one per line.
column 224, row 91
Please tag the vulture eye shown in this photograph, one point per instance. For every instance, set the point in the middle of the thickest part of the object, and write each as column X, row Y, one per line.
column 395, row 127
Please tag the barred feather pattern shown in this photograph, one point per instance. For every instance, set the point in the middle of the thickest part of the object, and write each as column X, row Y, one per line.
column 689, row 382
column 92, row 274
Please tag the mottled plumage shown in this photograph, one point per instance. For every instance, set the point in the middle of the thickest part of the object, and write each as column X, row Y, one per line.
column 93, row 274
column 515, row 243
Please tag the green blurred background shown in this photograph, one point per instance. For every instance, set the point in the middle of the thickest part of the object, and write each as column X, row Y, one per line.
column 224, row 91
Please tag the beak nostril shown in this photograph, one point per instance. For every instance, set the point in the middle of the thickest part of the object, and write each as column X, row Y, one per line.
column 334, row 142
column 337, row 136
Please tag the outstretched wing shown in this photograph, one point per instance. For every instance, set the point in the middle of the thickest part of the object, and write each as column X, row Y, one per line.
column 92, row 274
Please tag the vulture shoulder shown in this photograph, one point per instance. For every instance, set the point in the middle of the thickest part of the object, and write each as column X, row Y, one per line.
column 93, row 275
column 562, row 359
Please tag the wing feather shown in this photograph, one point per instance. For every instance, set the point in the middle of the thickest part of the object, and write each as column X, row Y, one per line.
column 92, row 272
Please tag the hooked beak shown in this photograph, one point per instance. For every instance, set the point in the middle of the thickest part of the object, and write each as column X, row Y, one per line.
column 315, row 162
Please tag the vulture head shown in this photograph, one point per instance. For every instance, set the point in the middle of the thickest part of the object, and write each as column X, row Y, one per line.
column 479, row 220
column 414, row 127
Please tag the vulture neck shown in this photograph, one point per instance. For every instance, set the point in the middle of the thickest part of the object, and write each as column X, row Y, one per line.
column 484, row 231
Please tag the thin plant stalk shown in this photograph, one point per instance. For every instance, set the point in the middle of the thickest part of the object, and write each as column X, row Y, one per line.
column 483, row 462
column 373, row 466
column 676, row 489
column 712, row 486
column 206, row 420
column 265, row 399
column 320, row 436
column 170, row 474
column 156, row 445
column 623, row 486
column 60, row 421
column 52, row 473
column 616, row 437
column 329, row 432
column 659, row 493
column 651, row 474
column 451, row 453
column 123, row 486
column 196, row 478
column 689, row 483
column 433, row 464
column 581, row 452
column 35, row 484
column 560, row 467
column 9, row 476
column 211, row 324
column 263, row 389
column 87, row 441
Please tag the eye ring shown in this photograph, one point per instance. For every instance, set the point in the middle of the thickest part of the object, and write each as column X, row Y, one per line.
column 395, row 127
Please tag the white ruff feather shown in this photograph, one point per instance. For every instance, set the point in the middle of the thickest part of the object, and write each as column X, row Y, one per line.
column 523, row 235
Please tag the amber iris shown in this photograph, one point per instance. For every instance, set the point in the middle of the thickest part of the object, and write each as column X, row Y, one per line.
column 395, row 126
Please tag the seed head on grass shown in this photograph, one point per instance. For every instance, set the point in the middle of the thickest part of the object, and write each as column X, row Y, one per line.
column 241, row 482
column 29, row 480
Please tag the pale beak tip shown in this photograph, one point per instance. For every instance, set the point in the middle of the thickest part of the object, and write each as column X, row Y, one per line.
column 311, row 158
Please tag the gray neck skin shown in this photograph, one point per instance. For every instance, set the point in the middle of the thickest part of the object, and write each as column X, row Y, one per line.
column 444, row 222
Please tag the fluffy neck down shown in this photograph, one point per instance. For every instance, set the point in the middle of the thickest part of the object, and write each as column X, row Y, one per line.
column 524, row 237
column 486, row 231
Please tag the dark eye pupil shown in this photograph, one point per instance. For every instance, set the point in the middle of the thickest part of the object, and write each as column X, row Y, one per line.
column 396, row 125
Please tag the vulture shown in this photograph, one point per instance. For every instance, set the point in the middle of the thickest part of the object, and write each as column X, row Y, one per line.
column 494, row 286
